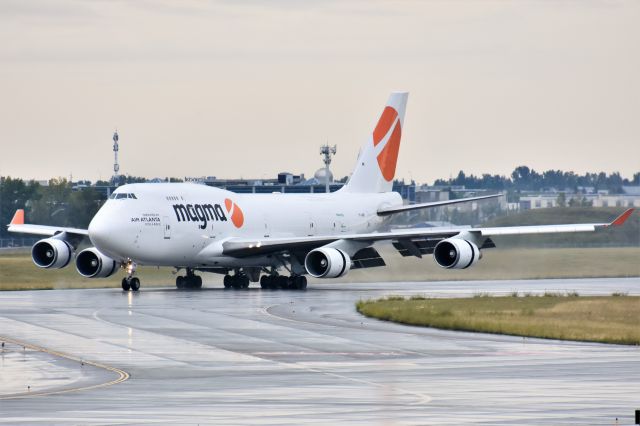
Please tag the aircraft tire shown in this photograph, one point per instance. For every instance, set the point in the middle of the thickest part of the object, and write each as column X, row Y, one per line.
column 244, row 280
column 180, row 281
column 125, row 284
column 301, row 282
column 282, row 282
column 135, row 284
column 265, row 281
column 197, row 281
column 227, row 281
column 237, row 282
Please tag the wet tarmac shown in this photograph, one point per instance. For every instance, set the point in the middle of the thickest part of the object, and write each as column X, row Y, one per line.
column 291, row 357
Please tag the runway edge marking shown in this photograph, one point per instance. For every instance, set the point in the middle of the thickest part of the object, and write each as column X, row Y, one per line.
column 122, row 375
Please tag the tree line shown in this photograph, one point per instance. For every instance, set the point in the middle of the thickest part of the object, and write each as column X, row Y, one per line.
column 525, row 179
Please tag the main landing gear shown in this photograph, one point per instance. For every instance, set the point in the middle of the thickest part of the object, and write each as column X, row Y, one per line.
column 190, row 280
column 274, row 282
column 236, row 281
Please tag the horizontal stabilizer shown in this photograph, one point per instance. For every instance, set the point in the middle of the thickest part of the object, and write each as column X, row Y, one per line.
column 409, row 207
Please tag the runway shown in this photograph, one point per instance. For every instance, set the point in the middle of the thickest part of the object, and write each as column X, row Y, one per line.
column 287, row 357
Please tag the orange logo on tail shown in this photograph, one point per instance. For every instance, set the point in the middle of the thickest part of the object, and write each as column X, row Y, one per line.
column 235, row 212
column 388, row 157
column 18, row 218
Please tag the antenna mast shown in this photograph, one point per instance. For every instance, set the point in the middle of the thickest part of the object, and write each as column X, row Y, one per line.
column 327, row 152
column 116, row 166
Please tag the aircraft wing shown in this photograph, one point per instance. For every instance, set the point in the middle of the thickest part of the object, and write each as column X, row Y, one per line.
column 408, row 207
column 17, row 225
column 414, row 241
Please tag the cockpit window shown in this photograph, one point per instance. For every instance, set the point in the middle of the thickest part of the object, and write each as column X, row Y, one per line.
column 122, row 195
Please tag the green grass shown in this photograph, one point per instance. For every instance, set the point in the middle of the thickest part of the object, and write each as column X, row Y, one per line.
column 605, row 319
column 509, row 263
column 17, row 271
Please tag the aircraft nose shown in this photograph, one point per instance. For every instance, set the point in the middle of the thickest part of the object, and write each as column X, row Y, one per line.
column 100, row 229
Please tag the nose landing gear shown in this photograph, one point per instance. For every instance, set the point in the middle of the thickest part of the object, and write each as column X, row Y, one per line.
column 130, row 282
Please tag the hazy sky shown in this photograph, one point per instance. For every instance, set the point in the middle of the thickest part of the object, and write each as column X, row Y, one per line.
column 249, row 88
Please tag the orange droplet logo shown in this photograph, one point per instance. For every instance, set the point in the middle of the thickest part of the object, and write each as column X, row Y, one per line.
column 388, row 157
column 235, row 212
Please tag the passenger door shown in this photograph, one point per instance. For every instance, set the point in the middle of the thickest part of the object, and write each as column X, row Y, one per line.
column 167, row 227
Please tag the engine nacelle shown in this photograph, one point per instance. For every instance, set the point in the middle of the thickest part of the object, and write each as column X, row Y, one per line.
column 456, row 253
column 51, row 253
column 327, row 262
column 91, row 263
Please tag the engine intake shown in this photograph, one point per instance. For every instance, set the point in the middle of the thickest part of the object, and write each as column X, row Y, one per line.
column 91, row 263
column 456, row 253
column 327, row 262
column 51, row 253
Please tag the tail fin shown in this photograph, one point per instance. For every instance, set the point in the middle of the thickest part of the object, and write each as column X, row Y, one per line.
column 376, row 165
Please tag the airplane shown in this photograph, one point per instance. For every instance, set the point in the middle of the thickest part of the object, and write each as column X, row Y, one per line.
column 274, row 239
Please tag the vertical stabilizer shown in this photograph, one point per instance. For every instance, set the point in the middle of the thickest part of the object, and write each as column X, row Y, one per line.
column 376, row 166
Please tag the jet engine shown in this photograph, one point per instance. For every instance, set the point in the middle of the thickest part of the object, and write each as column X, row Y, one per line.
column 456, row 253
column 327, row 262
column 91, row 263
column 51, row 253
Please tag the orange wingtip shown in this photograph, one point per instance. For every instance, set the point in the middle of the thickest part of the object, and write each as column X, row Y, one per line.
column 18, row 218
column 622, row 218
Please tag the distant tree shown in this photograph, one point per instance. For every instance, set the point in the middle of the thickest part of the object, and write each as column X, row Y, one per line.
column 586, row 203
column 561, row 200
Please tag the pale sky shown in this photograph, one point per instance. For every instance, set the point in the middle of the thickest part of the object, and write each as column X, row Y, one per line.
column 234, row 88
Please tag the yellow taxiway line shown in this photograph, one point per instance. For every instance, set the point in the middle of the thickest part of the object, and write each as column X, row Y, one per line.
column 122, row 375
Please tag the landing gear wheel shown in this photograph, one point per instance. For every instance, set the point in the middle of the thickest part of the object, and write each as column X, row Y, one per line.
column 282, row 282
column 135, row 284
column 125, row 284
column 180, row 282
column 265, row 281
column 299, row 283
column 227, row 281
column 197, row 281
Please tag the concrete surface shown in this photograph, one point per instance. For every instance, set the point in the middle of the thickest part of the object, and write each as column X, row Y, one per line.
column 288, row 357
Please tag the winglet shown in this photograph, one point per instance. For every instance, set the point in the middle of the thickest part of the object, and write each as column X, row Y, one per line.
column 622, row 218
column 18, row 218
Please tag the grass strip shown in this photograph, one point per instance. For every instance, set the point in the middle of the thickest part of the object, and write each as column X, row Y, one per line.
column 602, row 319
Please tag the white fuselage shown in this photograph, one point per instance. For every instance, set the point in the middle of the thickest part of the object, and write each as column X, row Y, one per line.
column 185, row 225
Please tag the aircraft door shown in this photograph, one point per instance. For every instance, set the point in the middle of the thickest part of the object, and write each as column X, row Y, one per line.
column 267, row 225
column 312, row 225
column 167, row 227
